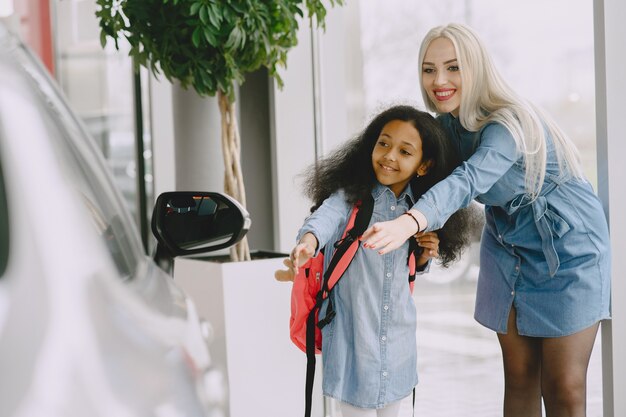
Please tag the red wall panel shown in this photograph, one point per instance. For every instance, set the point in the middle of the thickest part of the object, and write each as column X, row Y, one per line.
column 36, row 28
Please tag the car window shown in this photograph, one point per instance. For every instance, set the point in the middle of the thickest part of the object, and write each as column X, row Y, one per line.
column 4, row 227
column 85, row 169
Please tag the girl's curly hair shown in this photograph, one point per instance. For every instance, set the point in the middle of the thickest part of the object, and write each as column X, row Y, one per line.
column 350, row 168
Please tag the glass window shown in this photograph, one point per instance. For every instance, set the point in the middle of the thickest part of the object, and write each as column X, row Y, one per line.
column 98, row 84
column 546, row 56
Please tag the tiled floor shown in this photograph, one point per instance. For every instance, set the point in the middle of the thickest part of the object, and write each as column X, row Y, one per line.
column 460, row 365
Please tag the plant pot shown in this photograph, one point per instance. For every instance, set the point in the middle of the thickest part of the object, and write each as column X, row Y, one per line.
column 249, row 313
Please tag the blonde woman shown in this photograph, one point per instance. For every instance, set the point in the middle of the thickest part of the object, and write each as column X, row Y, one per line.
column 544, row 280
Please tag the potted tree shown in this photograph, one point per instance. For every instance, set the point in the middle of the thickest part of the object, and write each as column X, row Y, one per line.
column 210, row 45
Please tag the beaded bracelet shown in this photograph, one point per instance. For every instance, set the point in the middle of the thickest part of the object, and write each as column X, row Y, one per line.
column 408, row 213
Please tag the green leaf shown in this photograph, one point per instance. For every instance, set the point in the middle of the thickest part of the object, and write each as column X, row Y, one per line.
column 204, row 14
column 196, row 36
column 208, row 81
column 238, row 7
column 210, row 37
column 103, row 39
column 193, row 10
column 233, row 39
column 215, row 16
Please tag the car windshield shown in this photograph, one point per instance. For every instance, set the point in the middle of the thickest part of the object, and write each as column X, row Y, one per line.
column 81, row 161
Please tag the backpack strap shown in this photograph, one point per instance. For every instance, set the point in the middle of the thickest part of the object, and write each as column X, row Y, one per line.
column 414, row 249
column 310, row 359
column 345, row 249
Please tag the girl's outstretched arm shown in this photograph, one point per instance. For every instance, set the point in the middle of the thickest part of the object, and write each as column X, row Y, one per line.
column 390, row 235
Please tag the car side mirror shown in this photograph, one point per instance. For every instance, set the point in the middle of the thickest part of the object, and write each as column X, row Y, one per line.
column 193, row 222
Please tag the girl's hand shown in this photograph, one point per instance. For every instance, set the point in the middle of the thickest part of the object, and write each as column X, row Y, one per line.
column 430, row 242
column 298, row 257
column 390, row 235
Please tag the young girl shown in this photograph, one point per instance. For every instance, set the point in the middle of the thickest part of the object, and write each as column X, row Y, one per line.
column 369, row 350
column 544, row 282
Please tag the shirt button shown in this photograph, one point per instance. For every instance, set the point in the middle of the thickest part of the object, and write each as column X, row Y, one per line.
column 383, row 338
column 385, row 307
column 388, row 274
column 392, row 207
column 385, row 373
column 512, row 292
column 517, row 267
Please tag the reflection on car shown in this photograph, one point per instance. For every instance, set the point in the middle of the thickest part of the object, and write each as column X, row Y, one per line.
column 89, row 324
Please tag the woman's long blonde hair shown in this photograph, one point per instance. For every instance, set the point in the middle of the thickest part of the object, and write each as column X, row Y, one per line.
column 487, row 98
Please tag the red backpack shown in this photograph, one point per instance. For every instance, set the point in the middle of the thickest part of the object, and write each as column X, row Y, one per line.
column 312, row 286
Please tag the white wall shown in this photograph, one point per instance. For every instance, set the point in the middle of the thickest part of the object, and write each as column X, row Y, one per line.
column 162, row 133
column 293, row 147
column 341, row 77
column 198, row 150
column 293, row 121
column 610, row 55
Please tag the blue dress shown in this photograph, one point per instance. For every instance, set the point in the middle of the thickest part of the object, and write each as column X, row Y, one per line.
column 369, row 351
column 550, row 257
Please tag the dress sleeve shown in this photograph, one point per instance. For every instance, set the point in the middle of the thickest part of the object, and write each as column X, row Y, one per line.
column 327, row 219
column 495, row 155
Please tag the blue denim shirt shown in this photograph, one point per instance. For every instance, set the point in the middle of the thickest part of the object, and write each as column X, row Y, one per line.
column 549, row 257
column 369, row 351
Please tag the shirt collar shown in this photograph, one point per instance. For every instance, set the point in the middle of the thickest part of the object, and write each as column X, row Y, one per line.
column 407, row 194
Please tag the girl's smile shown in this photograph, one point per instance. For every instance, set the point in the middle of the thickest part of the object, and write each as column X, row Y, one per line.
column 387, row 168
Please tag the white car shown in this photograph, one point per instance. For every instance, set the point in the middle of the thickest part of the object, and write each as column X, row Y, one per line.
column 90, row 325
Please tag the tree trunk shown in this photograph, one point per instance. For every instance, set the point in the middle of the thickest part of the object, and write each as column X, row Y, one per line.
column 233, row 177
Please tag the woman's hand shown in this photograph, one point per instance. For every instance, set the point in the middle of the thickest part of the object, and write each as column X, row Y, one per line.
column 390, row 235
column 430, row 242
column 298, row 257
